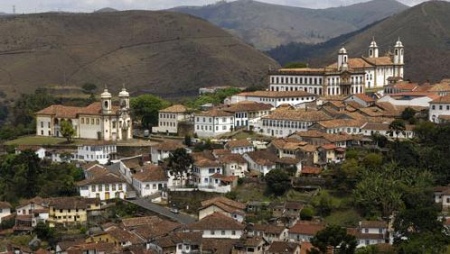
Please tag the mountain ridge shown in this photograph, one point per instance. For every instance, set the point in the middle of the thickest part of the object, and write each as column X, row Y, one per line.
column 268, row 25
column 423, row 29
column 166, row 53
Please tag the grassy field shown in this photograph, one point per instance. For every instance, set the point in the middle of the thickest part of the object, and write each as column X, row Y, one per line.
column 35, row 140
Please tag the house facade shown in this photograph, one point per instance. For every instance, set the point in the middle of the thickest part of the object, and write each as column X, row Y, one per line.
column 213, row 122
column 100, row 152
column 170, row 117
column 149, row 180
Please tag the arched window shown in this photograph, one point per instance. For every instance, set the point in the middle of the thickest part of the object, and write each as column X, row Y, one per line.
column 106, row 104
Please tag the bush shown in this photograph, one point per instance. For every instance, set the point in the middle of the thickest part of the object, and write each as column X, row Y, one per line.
column 307, row 213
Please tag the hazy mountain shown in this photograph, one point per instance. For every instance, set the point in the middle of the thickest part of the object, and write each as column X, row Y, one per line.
column 268, row 25
column 170, row 54
column 424, row 30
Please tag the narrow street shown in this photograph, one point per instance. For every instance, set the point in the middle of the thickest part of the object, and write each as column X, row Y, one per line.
column 163, row 211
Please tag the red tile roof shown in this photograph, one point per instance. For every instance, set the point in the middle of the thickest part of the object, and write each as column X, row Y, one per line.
column 216, row 221
column 306, row 228
column 151, row 173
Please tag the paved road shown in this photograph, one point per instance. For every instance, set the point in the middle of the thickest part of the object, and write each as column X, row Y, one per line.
column 180, row 217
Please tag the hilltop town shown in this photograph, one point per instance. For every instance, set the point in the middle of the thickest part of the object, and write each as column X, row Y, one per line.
column 349, row 151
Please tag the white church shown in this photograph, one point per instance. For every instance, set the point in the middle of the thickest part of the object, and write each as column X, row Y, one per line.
column 346, row 76
column 99, row 120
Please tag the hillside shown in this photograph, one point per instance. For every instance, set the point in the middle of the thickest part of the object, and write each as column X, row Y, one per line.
column 170, row 54
column 423, row 29
column 267, row 25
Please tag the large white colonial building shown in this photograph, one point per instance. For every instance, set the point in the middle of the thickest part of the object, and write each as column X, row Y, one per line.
column 346, row 76
column 100, row 120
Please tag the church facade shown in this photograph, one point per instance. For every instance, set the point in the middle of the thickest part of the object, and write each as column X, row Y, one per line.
column 346, row 76
column 99, row 120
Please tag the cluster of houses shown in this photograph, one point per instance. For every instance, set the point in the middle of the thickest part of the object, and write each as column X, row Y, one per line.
column 220, row 228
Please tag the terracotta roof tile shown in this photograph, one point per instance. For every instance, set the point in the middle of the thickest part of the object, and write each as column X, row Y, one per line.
column 5, row 205
column 373, row 224
column 247, row 106
column 263, row 157
column 139, row 221
column 238, row 143
column 441, row 100
column 232, row 158
column 336, row 123
column 60, row 111
column 283, row 247
column 306, row 228
column 216, row 221
column 151, row 173
column 298, row 115
column 169, row 146
column 310, row 170
column 233, row 205
column 214, row 113
column 177, row 108
column 274, row 94
column 218, row 246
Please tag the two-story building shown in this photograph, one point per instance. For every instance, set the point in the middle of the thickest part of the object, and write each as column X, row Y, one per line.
column 170, row 117
column 440, row 109
column 150, row 179
column 239, row 146
column 247, row 112
column 71, row 210
column 285, row 121
column 103, row 185
column 372, row 232
column 100, row 152
column 213, row 122
column 275, row 98
column 217, row 225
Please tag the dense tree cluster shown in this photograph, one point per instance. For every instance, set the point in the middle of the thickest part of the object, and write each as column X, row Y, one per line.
column 24, row 175
column 397, row 182
column 214, row 98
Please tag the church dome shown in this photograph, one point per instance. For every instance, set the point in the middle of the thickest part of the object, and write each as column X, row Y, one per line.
column 373, row 44
column 342, row 51
column 105, row 94
column 124, row 93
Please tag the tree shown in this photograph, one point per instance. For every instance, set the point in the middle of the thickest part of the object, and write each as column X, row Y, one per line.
column 145, row 108
column 408, row 115
column 89, row 88
column 180, row 162
column 335, row 237
column 396, row 127
column 295, row 65
column 278, row 181
column 67, row 130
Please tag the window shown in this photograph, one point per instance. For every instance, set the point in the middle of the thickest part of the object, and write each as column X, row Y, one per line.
column 42, row 124
column 106, row 187
column 82, row 120
column 223, row 232
column 212, row 232
column 433, row 107
column 97, row 121
column 92, row 121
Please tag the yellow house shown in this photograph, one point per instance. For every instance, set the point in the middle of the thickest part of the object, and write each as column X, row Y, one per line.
column 71, row 210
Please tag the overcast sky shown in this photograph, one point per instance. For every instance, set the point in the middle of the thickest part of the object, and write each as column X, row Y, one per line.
column 33, row 6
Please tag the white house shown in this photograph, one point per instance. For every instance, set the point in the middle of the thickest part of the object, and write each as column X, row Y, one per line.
column 383, row 129
column 234, row 165
column 162, row 151
column 102, row 184
column 285, row 121
column 239, row 146
column 203, row 170
column 38, row 150
column 228, row 207
column 5, row 210
column 170, row 117
column 274, row 98
column 348, row 126
column 99, row 120
column 247, row 112
column 303, row 231
column 261, row 161
column 217, row 225
column 30, row 212
column 100, row 152
column 149, row 180
column 213, row 122
column 371, row 232
column 409, row 99
column 440, row 109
